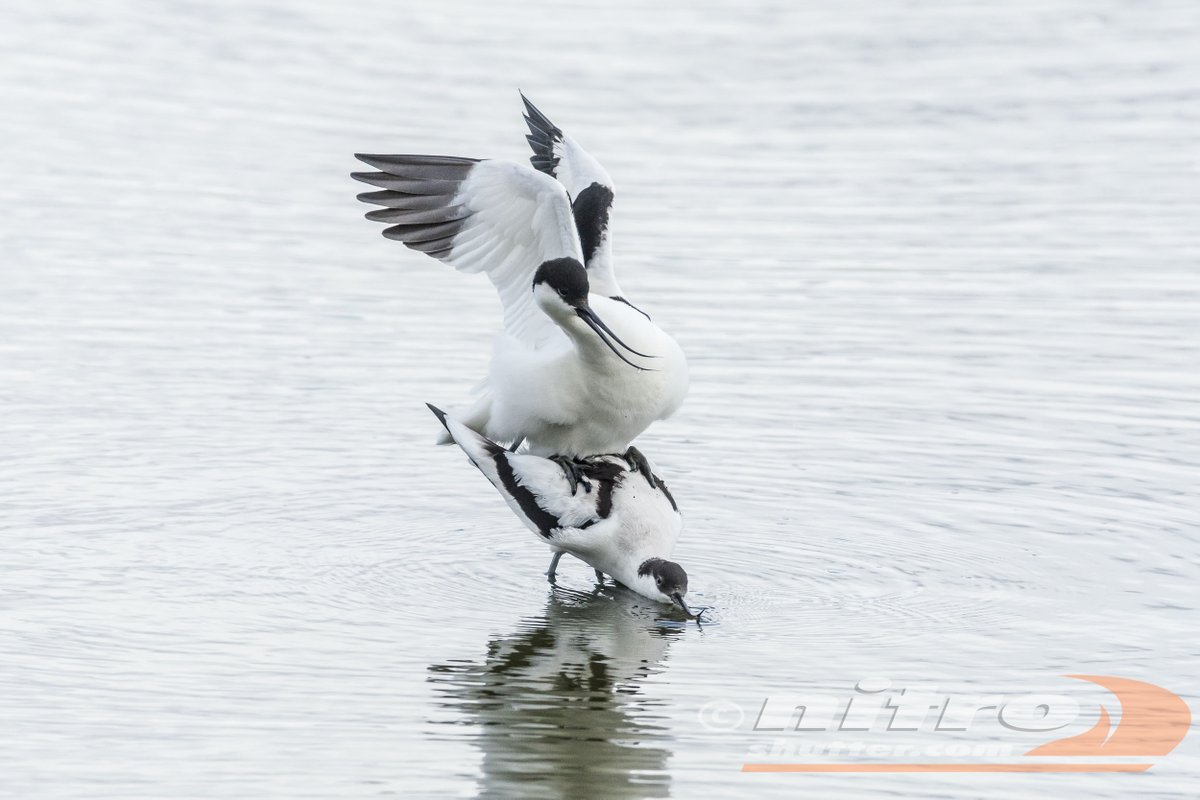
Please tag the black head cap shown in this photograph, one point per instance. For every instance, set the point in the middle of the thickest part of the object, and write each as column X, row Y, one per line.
column 669, row 576
column 565, row 276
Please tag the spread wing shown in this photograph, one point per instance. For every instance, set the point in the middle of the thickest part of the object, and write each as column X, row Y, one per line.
column 496, row 217
column 590, row 189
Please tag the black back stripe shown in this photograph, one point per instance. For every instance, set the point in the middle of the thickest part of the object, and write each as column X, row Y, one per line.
column 667, row 492
column 604, row 499
column 545, row 522
column 591, row 209
column 607, row 476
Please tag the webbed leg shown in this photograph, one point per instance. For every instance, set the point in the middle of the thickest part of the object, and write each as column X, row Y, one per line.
column 573, row 470
column 638, row 463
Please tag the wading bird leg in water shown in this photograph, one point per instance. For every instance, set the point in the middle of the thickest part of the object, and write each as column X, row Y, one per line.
column 638, row 463
column 621, row 529
column 574, row 473
column 553, row 566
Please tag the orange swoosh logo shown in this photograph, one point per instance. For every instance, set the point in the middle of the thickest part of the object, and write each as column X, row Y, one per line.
column 1153, row 722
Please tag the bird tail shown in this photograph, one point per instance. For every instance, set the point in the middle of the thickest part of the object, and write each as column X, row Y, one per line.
column 476, row 417
column 481, row 450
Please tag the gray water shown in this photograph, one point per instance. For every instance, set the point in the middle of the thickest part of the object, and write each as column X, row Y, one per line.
column 937, row 271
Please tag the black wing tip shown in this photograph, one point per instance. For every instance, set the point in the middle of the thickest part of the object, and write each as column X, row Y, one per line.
column 543, row 134
column 415, row 158
column 441, row 415
column 370, row 159
column 534, row 116
column 378, row 197
column 417, row 164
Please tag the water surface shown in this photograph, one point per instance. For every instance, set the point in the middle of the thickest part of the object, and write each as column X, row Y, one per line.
column 936, row 271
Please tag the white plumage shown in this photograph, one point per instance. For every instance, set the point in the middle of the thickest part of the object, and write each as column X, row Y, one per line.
column 577, row 371
column 622, row 522
column 590, row 188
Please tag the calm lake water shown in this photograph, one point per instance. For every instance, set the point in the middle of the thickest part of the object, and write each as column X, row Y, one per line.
column 937, row 271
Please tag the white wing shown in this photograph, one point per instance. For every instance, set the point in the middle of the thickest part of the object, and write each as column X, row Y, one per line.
column 496, row 217
column 591, row 191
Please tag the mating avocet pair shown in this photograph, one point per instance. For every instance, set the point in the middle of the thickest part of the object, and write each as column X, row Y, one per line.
column 578, row 372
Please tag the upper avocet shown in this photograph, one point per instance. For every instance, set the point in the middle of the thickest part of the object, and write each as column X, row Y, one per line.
column 578, row 370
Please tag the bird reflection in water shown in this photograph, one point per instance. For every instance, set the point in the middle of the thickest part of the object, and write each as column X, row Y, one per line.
column 558, row 704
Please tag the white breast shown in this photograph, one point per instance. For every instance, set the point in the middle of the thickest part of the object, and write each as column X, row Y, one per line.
column 583, row 400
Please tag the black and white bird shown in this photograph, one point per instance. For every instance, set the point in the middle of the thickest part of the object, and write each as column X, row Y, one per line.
column 578, row 371
column 623, row 523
